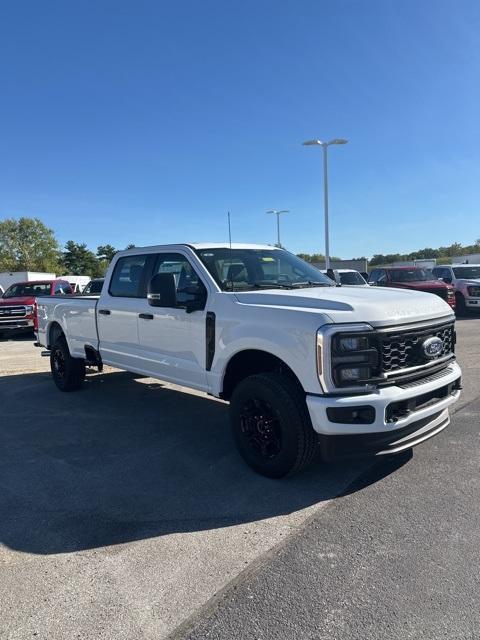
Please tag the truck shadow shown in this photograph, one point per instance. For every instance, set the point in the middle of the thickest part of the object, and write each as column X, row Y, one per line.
column 128, row 458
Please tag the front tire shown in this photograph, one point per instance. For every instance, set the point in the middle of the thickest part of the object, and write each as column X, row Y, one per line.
column 68, row 373
column 271, row 425
column 460, row 306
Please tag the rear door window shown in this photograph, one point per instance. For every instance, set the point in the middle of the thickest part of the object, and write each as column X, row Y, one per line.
column 128, row 278
column 61, row 288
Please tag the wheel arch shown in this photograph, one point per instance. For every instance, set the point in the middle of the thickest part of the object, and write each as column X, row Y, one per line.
column 55, row 330
column 249, row 362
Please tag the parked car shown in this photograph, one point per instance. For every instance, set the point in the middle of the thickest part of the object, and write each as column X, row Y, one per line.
column 17, row 304
column 349, row 277
column 305, row 365
column 77, row 283
column 415, row 278
column 94, row 287
column 465, row 279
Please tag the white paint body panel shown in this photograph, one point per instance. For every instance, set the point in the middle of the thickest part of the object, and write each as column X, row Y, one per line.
column 284, row 323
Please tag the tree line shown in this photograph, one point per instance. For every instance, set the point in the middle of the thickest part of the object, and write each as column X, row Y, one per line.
column 27, row 244
column 443, row 255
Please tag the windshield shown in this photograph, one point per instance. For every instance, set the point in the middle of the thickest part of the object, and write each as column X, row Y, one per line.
column 243, row 269
column 94, row 286
column 28, row 289
column 351, row 277
column 411, row 275
column 472, row 273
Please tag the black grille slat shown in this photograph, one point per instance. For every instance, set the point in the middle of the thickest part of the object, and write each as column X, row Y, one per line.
column 402, row 350
column 12, row 312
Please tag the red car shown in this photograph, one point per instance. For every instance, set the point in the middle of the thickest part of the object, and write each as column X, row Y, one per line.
column 415, row 278
column 17, row 304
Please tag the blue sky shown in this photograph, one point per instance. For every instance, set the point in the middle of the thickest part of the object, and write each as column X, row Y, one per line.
column 145, row 122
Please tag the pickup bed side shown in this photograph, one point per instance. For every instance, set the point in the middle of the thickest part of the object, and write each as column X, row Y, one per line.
column 74, row 317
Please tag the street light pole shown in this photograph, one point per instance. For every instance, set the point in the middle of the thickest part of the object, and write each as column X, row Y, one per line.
column 325, row 206
column 325, row 145
column 278, row 213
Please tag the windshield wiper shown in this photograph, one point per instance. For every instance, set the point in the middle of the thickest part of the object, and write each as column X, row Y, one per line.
column 278, row 285
column 272, row 285
column 310, row 283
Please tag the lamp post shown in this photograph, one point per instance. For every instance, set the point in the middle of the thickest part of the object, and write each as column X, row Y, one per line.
column 278, row 213
column 325, row 145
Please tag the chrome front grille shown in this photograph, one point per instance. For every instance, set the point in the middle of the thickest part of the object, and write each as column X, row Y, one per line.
column 402, row 349
column 13, row 312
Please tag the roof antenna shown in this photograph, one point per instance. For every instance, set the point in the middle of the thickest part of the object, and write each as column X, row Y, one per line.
column 231, row 255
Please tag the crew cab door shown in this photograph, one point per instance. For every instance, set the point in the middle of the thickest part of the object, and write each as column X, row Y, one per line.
column 117, row 311
column 172, row 339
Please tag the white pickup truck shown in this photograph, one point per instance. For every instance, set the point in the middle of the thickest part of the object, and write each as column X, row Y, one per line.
column 306, row 365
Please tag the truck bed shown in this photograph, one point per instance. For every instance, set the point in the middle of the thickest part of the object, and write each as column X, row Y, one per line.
column 77, row 317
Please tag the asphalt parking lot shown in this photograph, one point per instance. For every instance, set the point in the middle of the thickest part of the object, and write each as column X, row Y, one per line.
column 125, row 511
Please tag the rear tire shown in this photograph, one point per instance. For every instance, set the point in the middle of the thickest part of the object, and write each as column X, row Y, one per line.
column 68, row 373
column 460, row 306
column 271, row 425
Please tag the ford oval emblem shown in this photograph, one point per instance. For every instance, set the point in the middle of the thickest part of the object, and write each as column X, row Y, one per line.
column 432, row 347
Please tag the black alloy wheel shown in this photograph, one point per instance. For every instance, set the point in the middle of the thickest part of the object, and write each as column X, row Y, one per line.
column 260, row 428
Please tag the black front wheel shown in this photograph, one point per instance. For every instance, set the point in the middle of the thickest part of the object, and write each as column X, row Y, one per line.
column 68, row 373
column 271, row 425
column 460, row 306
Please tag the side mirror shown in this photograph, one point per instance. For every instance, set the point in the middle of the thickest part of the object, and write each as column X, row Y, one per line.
column 198, row 298
column 162, row 291
column 335, row 276
column 447, row 280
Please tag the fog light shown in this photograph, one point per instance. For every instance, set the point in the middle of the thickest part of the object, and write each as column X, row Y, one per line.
column 364, row 414
column 354, row 374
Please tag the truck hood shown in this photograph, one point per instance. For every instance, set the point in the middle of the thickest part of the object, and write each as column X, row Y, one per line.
column 465, row 282
column 374, row 305
column 420, row 284
column 14, row 301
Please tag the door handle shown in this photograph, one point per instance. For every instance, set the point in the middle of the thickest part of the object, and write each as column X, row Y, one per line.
column 104, row 312
column 146, row 316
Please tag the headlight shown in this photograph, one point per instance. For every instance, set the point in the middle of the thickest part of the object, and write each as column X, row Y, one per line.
column 353, row 374
column 474, row 291
column 354, row 359
column 347, row 356
column 29, row 309
column 352, row 343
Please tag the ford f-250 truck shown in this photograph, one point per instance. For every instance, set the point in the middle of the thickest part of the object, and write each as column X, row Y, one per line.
column 307, row 366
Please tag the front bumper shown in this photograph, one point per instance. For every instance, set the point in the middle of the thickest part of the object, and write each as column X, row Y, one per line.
column 25, row 324
column 473, row 303
column 390, row 431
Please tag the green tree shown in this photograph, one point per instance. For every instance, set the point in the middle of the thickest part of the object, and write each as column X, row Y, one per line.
column 106, row 252
column 27, row 244
column 79, row 261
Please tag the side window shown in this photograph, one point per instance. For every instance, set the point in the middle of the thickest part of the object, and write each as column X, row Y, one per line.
column 61, row 289
column 373, row 276
column 127, row 277
column 187, row 282
column 382, row 277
